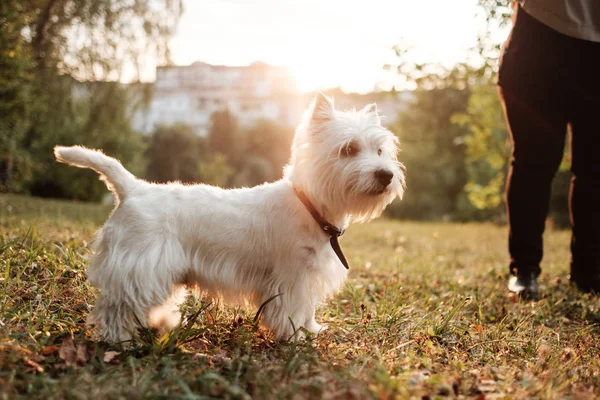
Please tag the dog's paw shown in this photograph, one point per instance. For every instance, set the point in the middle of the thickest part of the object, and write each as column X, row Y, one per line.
column 315, row 328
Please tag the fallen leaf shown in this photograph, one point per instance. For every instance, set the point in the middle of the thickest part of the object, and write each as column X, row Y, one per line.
column 209, row 316
column 46, row 351
column 486, row 386
column 73, row 355
column 82, row 354
column 567, row 354
column 67, row 351
column 456, row 385
column 33, row 364
column 110, row 355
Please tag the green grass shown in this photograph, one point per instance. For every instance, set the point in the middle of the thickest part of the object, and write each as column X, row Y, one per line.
column 424, row 313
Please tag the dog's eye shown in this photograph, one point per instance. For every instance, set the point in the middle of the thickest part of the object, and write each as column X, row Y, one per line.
column 379, row 152
column 350, row 150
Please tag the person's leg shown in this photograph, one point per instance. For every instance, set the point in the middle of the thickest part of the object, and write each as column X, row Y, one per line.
column 584, row 198
column 532, row 77
column 538, row 128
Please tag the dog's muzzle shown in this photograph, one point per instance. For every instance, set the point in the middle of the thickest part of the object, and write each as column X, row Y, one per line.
column 384, row 177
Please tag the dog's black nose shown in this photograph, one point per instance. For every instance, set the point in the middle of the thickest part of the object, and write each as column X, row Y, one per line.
column 384, row 176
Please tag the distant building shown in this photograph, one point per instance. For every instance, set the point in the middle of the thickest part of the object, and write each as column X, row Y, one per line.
column 191, row 94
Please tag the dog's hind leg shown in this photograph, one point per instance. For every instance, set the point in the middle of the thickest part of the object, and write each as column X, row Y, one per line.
column 168, row 315
column 134, row 280
column 116, row 316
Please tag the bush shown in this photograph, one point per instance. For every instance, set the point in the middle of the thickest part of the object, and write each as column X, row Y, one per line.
column 433, row 153
column 173, row 154
column 93, row 115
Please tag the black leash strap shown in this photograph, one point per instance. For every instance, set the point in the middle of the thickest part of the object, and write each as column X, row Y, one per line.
column 333, row 232
column 338, row 250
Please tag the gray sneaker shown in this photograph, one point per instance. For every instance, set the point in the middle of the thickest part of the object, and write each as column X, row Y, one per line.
column 525, row 285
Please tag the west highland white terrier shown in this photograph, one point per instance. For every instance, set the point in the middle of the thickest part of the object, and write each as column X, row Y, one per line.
column 274, row 241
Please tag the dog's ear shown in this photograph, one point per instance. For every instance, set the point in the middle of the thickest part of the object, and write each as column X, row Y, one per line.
column 371, row 111
column 322, row 108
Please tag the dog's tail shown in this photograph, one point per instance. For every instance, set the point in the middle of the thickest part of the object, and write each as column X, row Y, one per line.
column 118, row 180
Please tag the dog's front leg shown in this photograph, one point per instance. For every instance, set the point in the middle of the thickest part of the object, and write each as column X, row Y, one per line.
column 311, row 324
column 291, row 310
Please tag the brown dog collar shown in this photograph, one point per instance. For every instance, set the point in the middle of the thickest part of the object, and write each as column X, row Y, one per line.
column 331, row 230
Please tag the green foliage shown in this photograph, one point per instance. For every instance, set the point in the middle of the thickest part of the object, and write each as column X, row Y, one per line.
column 487, row 151
column 445, row 154
column 109, row 33
column 42, row 43
column 453, row 134
column 487, row 158
column 559, row 199
column 254, row 171
column 457, row 151
column 225, row 136
column 272, row 142
column 497, row 11
column 15, row 94
column 245, row 157
column 433, row 153
column 95, row 115
column 173, row 155
column 497, row 15
column 229, row 157
column 215, row 170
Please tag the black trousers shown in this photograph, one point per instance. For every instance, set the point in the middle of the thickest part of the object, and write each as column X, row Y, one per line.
column 549, row 82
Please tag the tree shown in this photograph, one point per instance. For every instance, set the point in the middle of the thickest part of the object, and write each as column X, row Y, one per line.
column 224, row 135
column 497, row 15
column 487, row 159
column 93, row 39
column 272, row 142
column 215, row 170
column 454, row 136
column 173, row 155
column 432, row 151
column 42, row 44
column 254, row 171
column 487, row 152
column 99, row 117
column 15, row 94
column 246, row 157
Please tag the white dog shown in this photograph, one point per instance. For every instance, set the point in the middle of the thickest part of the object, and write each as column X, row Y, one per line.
column 279, row 238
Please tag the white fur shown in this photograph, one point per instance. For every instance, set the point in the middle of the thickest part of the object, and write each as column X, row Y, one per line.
column 250, row 243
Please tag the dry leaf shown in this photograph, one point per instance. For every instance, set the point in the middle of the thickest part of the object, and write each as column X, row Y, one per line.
column 73, row 355
column 82, row 354
column 110, row 355
column 33, row 364
column 486, row 386
column 46, row 351
column 67, row 351
column 210, row 318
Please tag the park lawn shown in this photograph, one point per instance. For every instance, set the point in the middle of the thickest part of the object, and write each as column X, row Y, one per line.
column 423, row 313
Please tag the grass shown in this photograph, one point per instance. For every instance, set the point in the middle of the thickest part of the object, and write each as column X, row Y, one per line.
column 424, row 314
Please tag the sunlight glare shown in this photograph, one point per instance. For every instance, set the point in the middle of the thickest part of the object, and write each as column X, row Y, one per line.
column 327, row 44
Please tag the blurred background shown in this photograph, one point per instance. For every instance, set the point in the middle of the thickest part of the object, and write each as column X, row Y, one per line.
column 211, row 91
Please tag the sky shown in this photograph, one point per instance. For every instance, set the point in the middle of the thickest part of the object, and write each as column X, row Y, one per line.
column 328, row 43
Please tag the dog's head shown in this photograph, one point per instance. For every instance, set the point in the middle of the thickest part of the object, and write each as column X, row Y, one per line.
column 345, row 160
